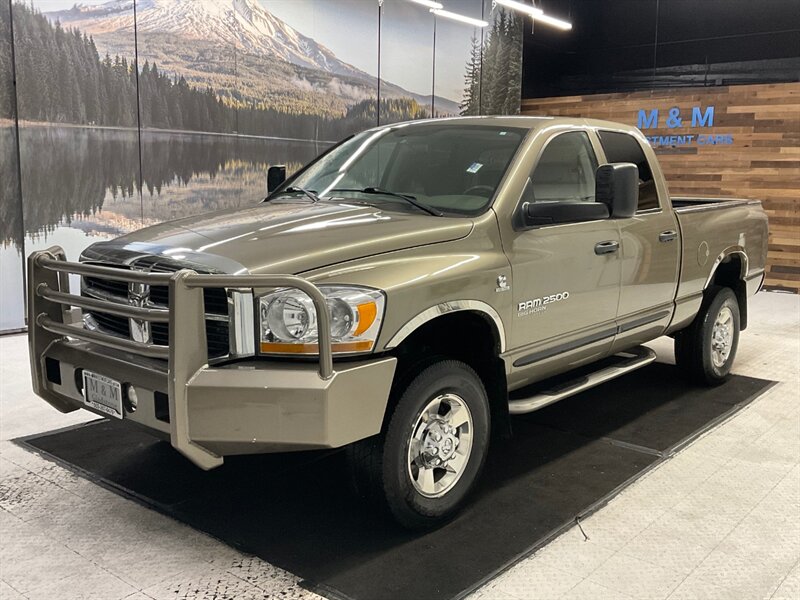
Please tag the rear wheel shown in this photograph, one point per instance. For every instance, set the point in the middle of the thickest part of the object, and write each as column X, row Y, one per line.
column 433, row 449
column 707, row 348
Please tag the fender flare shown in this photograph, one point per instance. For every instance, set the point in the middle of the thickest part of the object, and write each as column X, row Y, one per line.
column 445, row 308
column 729, row 251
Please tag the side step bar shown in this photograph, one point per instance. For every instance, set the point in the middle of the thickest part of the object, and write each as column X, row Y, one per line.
column 630, row 360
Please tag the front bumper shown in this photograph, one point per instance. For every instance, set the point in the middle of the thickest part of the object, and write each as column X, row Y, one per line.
column 207, row 412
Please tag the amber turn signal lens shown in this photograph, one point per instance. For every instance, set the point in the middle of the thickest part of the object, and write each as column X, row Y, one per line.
column 366, row 317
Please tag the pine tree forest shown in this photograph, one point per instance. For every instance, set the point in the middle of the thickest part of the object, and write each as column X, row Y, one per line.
column 493, row 77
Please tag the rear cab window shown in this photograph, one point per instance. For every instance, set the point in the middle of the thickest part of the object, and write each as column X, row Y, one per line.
column 622, row 147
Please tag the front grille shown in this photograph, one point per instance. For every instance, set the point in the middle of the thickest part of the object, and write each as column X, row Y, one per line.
column 216, row 337
column 216, row 304
column 113, row 324
column 113, row 288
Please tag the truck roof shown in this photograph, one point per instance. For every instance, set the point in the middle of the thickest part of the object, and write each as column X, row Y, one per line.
column 522, row 121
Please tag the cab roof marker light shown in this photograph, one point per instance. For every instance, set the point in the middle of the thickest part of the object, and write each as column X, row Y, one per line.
column 520, row 7
column 457, row 17
column 553, row 22
column 429, row 4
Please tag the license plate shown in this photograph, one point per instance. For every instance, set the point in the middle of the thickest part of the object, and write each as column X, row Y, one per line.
column 102, row 393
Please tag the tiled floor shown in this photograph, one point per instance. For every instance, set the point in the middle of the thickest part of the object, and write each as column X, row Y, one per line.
column 719, row 520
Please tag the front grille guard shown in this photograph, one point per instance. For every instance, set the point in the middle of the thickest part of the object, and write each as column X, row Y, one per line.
column 49, row 302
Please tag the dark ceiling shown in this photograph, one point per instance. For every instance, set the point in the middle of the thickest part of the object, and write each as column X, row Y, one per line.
column 619, row 45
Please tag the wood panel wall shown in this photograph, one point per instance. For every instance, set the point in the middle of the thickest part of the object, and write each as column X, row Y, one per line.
column 763, row 162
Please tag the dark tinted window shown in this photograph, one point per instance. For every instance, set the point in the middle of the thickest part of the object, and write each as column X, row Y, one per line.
column 621, row 147
column 564, row 172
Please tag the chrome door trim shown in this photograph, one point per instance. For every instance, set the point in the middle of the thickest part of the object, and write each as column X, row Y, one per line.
column 443, row 309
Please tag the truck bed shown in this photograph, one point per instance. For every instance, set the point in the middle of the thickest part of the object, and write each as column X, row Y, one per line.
column 713, row 230
column 688, row 203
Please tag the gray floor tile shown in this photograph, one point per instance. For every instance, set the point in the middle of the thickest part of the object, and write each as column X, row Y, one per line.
column 636, row 577
column 589, row 590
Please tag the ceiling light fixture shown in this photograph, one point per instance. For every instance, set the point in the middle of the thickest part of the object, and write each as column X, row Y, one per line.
column 537, row 14
column 520, row 7
column 456, row 17
column 429, row 4
column 553, row 22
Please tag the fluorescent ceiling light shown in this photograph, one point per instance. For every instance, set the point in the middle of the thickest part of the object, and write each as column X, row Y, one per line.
column 456, row 17
column 557, row 23
column 430, row 4
column 519, row 6
column 536, row 13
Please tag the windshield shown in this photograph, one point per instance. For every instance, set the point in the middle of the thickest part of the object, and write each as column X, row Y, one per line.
column 449, row 168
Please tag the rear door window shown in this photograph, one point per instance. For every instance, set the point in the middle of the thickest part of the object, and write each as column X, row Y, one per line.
column 621, row 147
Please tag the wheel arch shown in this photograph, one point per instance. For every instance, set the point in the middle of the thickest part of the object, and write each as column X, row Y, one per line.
column 475, row 307
column 469, row 331
column 730, row 270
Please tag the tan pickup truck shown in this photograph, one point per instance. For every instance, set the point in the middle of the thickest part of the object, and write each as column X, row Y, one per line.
column 401, row 296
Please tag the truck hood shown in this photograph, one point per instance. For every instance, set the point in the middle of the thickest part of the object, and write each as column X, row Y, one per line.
column 282, row 236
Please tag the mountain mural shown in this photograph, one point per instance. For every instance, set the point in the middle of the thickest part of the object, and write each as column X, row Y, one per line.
column 112, row 139
column 250, row 56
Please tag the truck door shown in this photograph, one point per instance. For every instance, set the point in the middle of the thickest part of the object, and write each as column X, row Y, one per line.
column 565, row 277
column 650, row 247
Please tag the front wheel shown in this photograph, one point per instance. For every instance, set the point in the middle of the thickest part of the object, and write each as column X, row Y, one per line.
column 433, row 449
column 707, row 348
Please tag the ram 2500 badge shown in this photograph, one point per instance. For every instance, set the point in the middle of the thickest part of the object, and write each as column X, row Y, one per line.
column 401, row 296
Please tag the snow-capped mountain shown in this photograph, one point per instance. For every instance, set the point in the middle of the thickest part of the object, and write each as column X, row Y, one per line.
column 274, row 65
column 243, row 24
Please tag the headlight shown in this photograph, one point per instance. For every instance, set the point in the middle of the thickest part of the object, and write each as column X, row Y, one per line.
column 288, row 321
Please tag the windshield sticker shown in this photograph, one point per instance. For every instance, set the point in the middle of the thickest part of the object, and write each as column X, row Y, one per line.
column 474, row 167
column 503, row 133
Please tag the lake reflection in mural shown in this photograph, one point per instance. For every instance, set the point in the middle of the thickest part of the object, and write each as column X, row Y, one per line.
column 81, row 185
column 88, row 178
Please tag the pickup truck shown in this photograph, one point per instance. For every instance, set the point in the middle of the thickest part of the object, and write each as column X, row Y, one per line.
column 401, row 296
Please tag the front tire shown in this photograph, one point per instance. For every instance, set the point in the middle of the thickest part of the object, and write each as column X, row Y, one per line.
column 433, row 448
column 707, row 348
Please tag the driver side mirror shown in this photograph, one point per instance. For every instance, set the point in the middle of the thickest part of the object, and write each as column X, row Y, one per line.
column 276, row 175
column 617, row 186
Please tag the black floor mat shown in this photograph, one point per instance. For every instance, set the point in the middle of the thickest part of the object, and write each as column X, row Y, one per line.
column 296, row 511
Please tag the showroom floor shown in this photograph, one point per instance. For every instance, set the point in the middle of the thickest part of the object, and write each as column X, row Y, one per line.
column 719, row 520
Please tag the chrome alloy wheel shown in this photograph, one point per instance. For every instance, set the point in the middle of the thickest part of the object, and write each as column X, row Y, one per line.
column 722, row 337
column 440, row 445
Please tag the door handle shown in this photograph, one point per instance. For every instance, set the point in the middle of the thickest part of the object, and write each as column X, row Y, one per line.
column 606, row 247
column 667, row 236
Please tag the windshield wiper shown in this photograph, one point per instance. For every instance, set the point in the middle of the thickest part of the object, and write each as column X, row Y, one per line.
column 407, row 197
column 294, row 189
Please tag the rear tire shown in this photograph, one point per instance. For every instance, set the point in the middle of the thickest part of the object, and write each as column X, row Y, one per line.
column 707, row 348
column 433, row 448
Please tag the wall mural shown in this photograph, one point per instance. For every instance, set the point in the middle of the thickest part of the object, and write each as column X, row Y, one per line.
column 223, row 89
column 11, row 228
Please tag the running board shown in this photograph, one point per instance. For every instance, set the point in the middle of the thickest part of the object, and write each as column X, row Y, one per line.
column 630, row 360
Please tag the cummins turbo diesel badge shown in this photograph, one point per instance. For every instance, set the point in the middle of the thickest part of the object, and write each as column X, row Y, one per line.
column 539, row 304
